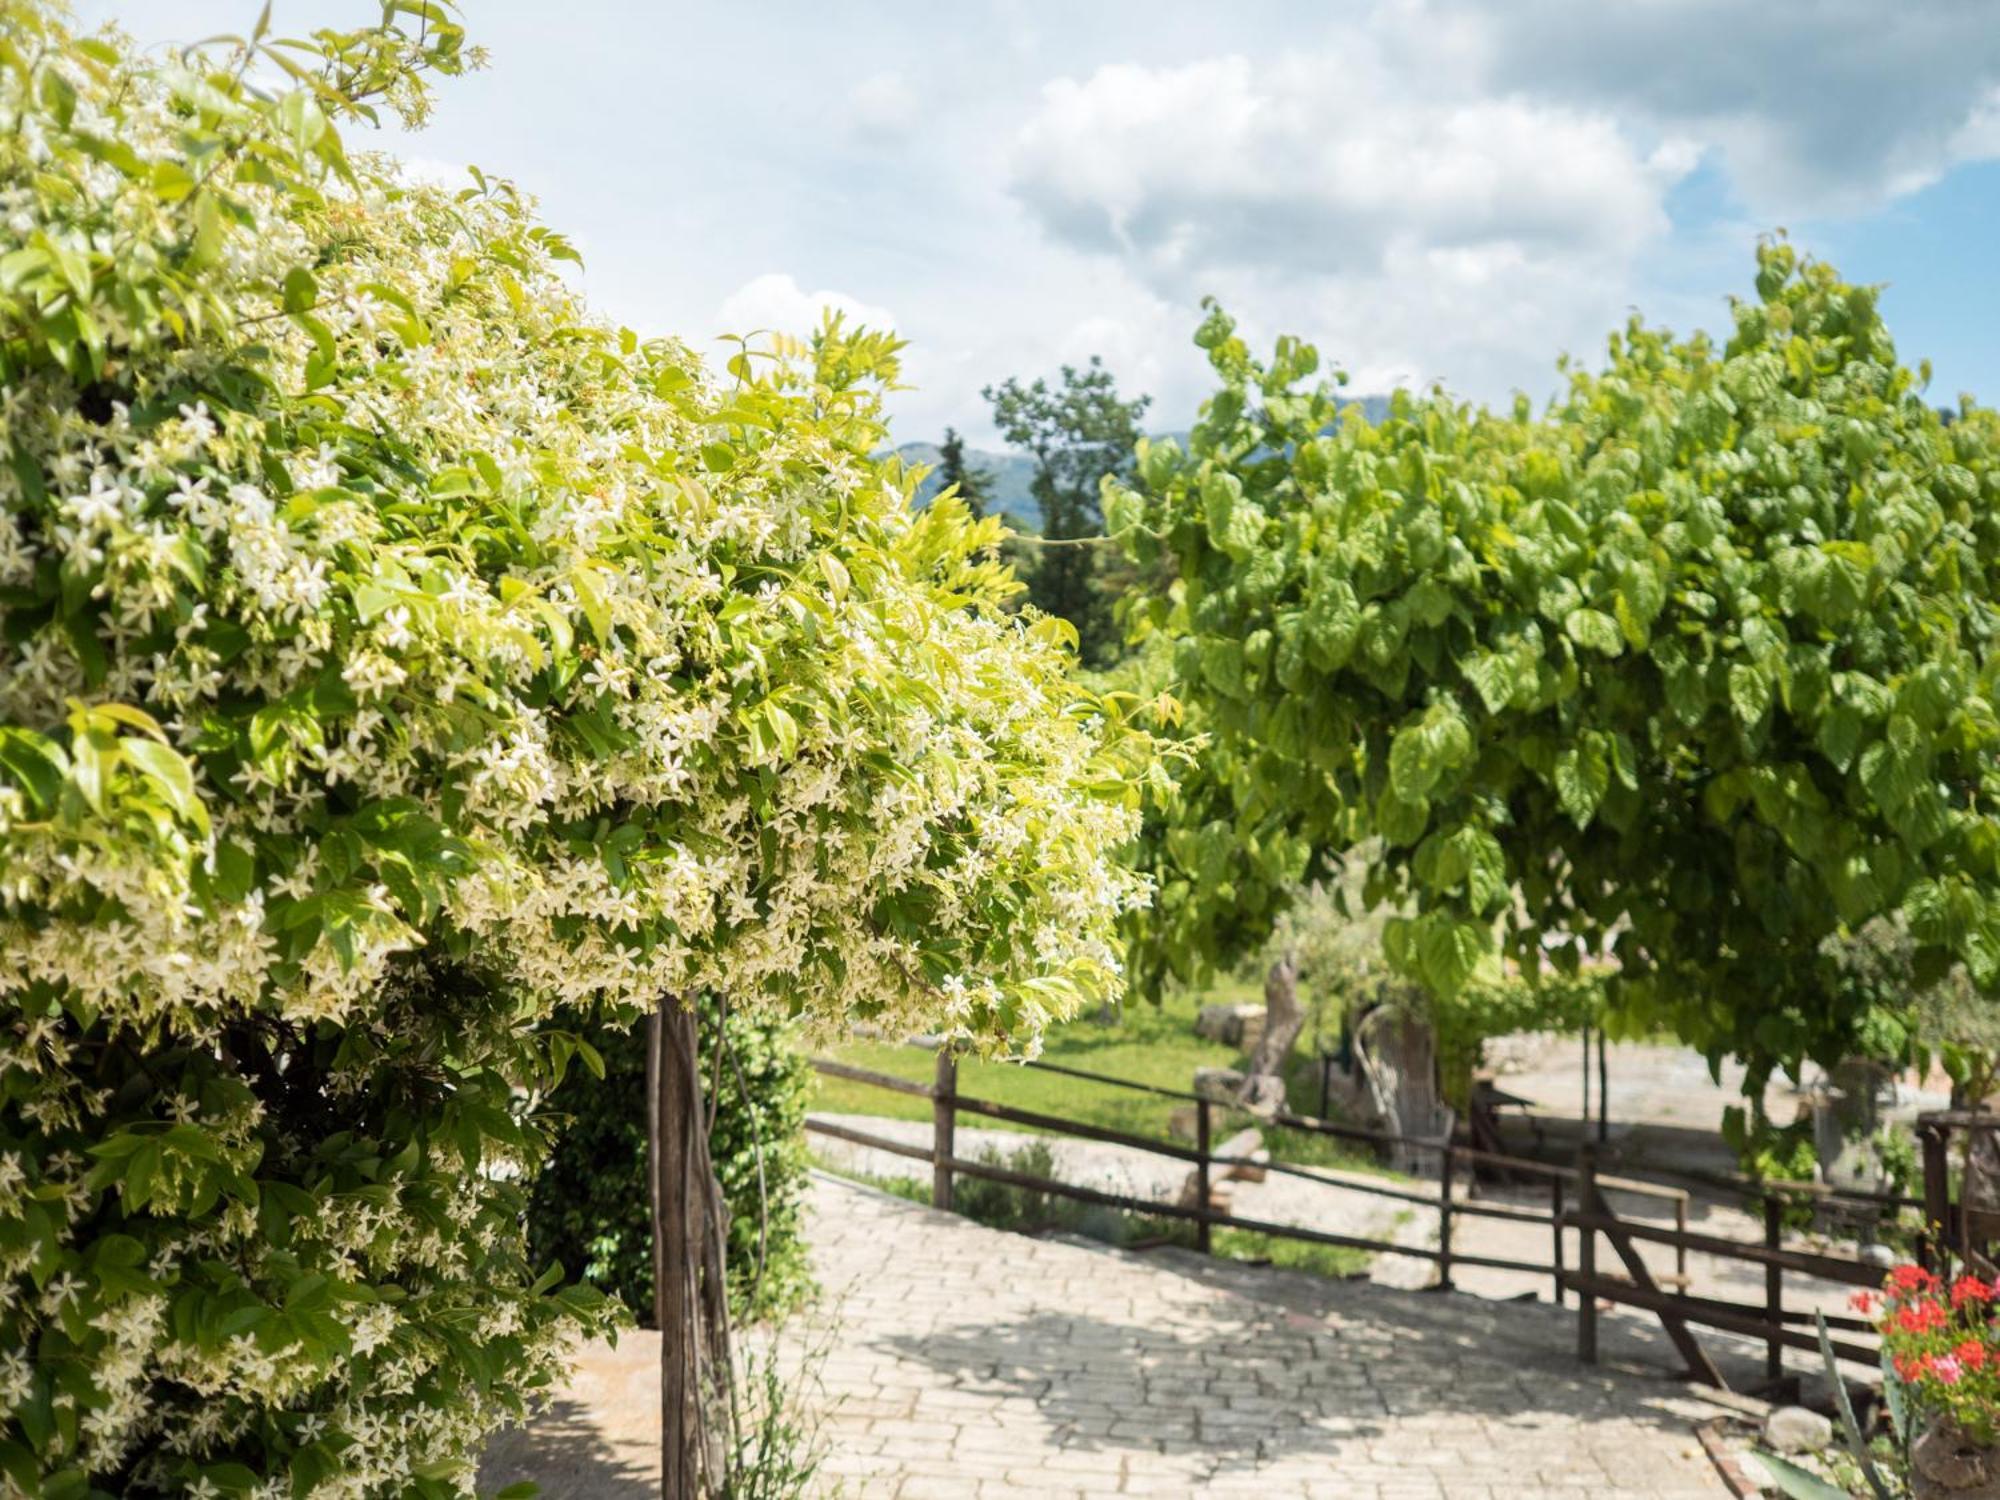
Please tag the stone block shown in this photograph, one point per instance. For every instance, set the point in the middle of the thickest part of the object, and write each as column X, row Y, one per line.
column 1793, row 1429
column 1232, row 1025
column 1219, row 1084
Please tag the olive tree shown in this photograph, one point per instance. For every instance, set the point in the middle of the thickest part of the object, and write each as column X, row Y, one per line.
column 395, row 663
column 1694, row 669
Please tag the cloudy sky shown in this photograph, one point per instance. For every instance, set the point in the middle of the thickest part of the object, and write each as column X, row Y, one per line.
column 1451, row 190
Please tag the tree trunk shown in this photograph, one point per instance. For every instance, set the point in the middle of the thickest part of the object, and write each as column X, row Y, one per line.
column 1284, row 1018
column 690, row 1296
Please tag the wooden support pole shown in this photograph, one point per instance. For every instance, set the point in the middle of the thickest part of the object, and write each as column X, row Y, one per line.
column 1598, row 1218
column 1937, row 1197
column 1556, row 1234
column 690, row 1233
column 1680, row 1247
column 944, row 1127
column 1583, row 1124
column 1202, row 1234
column 1774, row 1285
column 1586, row 1261
column 1603, row 1092
column 1444, row 1219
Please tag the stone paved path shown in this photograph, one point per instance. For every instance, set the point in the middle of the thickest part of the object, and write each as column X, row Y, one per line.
column 1284, row 1199
column 965, row 1362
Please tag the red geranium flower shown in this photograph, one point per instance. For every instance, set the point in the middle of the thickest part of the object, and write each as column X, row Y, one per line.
column 1921, row 1317
column 1970, row 1289
column 1910, row 1277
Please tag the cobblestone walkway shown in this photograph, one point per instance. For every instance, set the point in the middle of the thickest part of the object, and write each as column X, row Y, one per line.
column 964, row 1362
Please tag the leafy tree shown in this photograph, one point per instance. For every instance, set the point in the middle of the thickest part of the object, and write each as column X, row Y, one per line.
column 972, row 484
column 1080, row 433
column 398, row 665
column 1695, row 670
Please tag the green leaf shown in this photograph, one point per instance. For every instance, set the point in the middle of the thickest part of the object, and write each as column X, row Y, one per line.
column 35, row 764
column 166, row 769
column 1749, row 694
column 1857, row 1445
column 1449, row 951
column 1582, row 777
column 1234, row 524
column 1595, row 631
column 1494, row 677
column 1486, row 884
column 596, row 608
column 1399, row 821
column 93, row 754
column 301, row 292
column 1414, row 764
column 1795, row 1482
column 1839, row 736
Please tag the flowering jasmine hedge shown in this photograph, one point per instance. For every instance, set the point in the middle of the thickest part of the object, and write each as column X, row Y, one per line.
column 392, row 658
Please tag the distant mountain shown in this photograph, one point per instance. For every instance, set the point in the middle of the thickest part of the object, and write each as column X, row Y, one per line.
column 1013, row 474
column 1008, row 494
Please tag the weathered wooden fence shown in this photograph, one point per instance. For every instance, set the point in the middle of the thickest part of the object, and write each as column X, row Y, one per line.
column 1576, row 1203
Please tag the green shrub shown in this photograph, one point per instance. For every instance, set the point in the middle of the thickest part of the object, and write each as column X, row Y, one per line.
column 589, row 1211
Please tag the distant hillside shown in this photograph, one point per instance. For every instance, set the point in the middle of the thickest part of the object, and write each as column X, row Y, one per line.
column 1007, row 495
column 1013, row 473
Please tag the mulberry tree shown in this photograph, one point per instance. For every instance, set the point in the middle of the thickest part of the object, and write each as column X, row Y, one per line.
column 1694, row 668
column 396, row 661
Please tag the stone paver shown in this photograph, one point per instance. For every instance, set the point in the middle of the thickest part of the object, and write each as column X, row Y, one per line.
column 964, row 1362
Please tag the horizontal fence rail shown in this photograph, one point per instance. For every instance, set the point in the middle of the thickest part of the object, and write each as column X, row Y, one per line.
column 1590, row 1219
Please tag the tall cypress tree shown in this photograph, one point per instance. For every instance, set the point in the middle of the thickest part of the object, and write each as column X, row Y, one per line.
column 974, row 484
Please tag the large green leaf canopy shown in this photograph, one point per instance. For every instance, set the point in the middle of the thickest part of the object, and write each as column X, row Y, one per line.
column 1694, row 669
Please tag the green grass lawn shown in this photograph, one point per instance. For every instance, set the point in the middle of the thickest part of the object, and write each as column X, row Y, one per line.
column 1148, row 1043
column 1028, row 1211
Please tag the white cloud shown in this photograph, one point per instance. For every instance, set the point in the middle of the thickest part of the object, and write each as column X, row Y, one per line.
column 1815, row 106
column 883, row 106
column 774, row 303
column 1418, row 229
column 1326, row 164
column 1461, row 188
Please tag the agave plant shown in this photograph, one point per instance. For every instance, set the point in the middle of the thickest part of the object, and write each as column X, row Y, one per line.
column 1802, row 1484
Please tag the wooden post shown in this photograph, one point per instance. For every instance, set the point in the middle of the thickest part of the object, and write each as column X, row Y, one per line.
column 1681, row 1250
column 1444, row 1219
column 1583, row 1125
column 690, row 1232
column 944, row 1127
column 1586, row 1260
column 1556, row 1222
column 1774, row 1286
column 1937, row 1196
column 1201, row 1125
column 1603, row 1092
